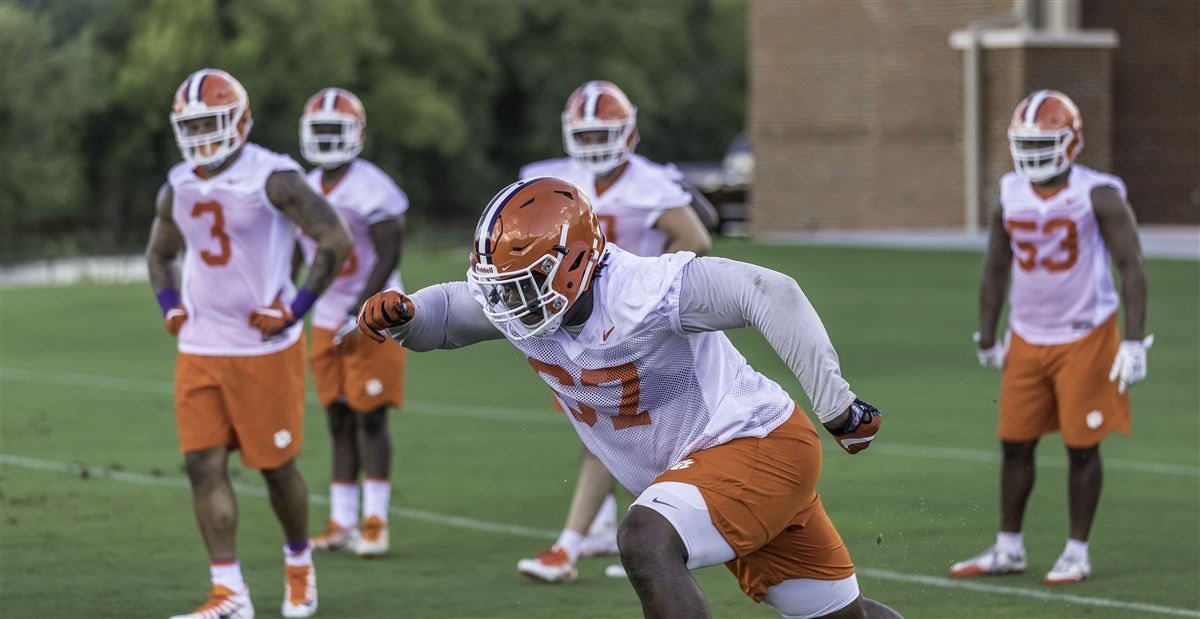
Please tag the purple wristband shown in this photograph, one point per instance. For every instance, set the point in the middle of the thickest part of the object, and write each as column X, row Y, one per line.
column 168, row 299
column 302, row 303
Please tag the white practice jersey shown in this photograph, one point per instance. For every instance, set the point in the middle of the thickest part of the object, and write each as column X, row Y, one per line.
column 630, row 208
column 238, row 255
column 641, row 391
column 1062, row 284
column 364, row 196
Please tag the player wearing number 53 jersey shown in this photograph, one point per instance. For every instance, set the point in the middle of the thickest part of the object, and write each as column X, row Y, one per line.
column 723, row 461
column 232, row 208
column 1064, row 364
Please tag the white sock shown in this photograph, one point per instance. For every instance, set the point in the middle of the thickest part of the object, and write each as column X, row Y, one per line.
column 303, row 557
column 376, row 493
column 1076, row 548
column 605, row 518
column 1010, row 543
column 569, row 541
column 343, row 504
column 228, row 574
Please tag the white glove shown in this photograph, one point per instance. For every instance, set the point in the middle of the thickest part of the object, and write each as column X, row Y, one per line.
column 1130, row 364
column 348, row 327
column 992, row 358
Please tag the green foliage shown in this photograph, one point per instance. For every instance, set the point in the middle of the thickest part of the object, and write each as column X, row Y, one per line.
column 459, row 94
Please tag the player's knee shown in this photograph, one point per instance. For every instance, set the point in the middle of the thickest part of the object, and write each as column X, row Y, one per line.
column 374, row 423
column 1085, row 457
column 1018, row 453
column 647, row 542
column 206, row 466
column 281, row 475
column 341, row 418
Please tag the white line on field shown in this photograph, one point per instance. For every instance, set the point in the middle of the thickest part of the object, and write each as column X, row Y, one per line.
column 519, row 531
column 947, row 583
column 491, row 413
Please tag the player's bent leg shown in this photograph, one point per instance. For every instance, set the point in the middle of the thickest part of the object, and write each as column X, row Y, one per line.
column 655, row 558
column 213, row 500
column 373, row 538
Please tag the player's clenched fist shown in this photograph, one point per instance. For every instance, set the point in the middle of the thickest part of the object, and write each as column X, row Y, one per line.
column 384, row 310
column 174, row 319
column 860, row 427
column 272, row 319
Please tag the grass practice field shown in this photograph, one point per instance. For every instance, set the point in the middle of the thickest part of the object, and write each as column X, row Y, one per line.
column 96, row 520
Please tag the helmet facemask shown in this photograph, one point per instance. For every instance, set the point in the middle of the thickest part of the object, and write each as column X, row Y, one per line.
column 201, row 147
column 599, row 156
column 1041, row 155
column 522, row 303
column 330, row 139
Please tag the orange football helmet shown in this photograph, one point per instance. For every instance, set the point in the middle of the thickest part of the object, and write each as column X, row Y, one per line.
column 536, row 250
column 332, row 108
column 1045, row 135
column 211, row 117
column 599, row 107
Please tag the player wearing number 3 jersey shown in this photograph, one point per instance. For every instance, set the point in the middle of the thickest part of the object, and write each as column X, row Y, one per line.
column 724, row 462
column 1065, row 365
column 232, row 208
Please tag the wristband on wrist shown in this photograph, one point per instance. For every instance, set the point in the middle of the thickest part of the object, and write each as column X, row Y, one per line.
column 302, row 303
column 168, row 299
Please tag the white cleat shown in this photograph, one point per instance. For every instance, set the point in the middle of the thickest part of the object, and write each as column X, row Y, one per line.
column 223, row 603
column 1069, row 569
column 615, row 571
column 551, row 566
column 334, row 537
column 372, row 538
column 599, row 543
column 299, row 591
column 991, row 562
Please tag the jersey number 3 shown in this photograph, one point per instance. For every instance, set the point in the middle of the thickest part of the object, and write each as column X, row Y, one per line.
column 1028, row 260
column 218, row 232
column 625, row 375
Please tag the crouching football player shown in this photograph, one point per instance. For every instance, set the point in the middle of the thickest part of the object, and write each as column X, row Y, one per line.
column 724, row 462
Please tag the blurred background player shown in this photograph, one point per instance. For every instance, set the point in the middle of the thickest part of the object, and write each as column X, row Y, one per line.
column 233, row 207
column 724, row 462
column 356, row 384
column 1065, row 365
column 643, row 209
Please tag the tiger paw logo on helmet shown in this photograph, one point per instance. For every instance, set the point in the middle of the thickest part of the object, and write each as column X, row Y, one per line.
column 536, row 250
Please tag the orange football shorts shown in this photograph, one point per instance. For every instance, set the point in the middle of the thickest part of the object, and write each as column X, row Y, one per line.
column 1063, row 387
column 762, row 497
column 252, row 403
column 368, row 375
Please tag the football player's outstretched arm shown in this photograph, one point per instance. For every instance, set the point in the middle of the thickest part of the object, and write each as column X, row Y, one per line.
column 161, row 250
column 1119, row 229
column 684, row 231
column 717, row 294
column 993, row 286
column 443, row 316
column 289, row 192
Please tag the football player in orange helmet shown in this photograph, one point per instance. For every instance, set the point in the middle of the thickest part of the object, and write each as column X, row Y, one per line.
column 232, row 208
column 1065, row 366
column 723, row 461
column 356, row 384
column 643, row 208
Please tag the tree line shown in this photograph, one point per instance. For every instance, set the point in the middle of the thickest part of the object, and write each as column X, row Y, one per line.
column 459, row 93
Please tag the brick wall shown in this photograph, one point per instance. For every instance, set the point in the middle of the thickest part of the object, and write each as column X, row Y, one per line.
column 1156, row 104
column 855, row 109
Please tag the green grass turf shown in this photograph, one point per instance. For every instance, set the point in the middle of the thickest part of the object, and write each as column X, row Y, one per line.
column 477, row 441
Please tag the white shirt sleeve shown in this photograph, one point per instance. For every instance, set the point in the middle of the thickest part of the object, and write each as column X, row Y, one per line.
column 717, row 294
column 446, row 316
